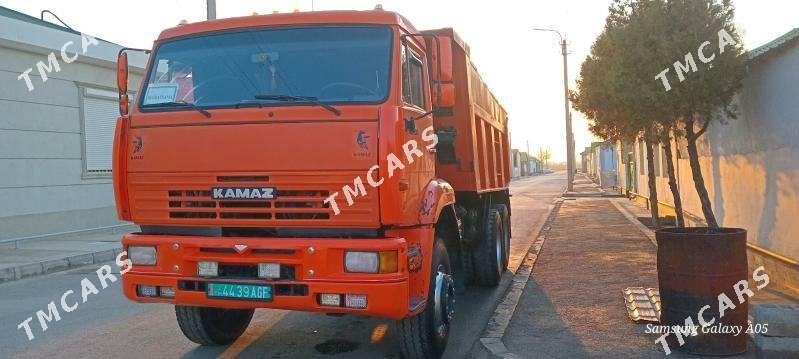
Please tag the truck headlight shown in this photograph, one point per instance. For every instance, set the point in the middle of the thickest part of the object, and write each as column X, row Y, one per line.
column 370, row 262
column 362, row 262
column 142, row 255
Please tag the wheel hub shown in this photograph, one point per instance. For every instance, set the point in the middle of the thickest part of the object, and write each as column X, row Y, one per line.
column 444, row 301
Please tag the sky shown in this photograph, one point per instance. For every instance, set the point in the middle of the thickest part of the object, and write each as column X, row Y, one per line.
column 522, row 67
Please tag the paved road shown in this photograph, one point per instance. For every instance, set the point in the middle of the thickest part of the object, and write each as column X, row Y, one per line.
column 107, row 325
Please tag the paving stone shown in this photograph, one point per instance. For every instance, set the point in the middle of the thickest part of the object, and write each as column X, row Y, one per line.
column 782, row 319
column 7, row 274
column 82, row 259
column 776, row 348
column 104, row 256
column 54, row 265
column 28, row 270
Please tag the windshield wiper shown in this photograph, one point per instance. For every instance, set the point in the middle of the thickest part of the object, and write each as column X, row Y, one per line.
column 180, row 103
column 290, row 98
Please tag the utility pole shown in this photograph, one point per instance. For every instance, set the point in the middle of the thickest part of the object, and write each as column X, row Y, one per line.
column 210, row 9
column 529, row 155
column 569, row 135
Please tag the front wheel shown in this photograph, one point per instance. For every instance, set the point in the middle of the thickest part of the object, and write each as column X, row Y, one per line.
column 425, row 335
column 212, row 326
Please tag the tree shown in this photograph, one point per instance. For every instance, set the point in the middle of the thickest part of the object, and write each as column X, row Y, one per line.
column 544, row 155
column 666, row 137
column 648, row 21
column 614, row 91
column 705, row 94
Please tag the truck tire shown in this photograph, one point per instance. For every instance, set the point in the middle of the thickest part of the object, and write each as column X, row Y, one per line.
column 425, row 335
column 503, row 212
column 212, row 326
column 488, row 251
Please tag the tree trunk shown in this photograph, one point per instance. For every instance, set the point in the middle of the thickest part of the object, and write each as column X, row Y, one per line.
column 696, row 173
column 675, row 192
column 653, row 192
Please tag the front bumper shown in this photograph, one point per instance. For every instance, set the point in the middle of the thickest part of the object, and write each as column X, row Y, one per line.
column 318, row 265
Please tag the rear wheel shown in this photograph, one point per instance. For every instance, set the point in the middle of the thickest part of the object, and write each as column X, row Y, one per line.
column 425, row 335
column 503, row 212
column 212, row 326
column 488, row 253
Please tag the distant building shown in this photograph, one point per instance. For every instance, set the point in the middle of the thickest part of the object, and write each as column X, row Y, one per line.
column 535, row 165
column 56, row 135
column 516, row 162
column 524, row 164
column 599, row 161
column 584, row 160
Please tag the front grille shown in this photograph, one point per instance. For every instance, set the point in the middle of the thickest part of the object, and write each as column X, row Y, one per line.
column 186, row 199
column 250, row 271
column 309, row 205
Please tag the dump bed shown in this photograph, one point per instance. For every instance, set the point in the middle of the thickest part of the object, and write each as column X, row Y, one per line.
column 474, row 148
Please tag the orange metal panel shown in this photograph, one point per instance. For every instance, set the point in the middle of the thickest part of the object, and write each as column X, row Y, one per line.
column 387, row 294
column 481, row 143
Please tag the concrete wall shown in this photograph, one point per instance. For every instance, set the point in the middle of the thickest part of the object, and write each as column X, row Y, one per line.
column 751, row 164
column 43, row 185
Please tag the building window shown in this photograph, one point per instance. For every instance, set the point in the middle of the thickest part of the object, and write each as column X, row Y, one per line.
column 664, row 170
column 99, row 113
column 413, row 81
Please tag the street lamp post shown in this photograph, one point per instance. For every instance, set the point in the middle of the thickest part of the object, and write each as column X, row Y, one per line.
column 210, row 9
column 569, row 134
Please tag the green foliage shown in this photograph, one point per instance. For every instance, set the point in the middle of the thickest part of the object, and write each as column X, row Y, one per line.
column 659, row 64
column 618, row 90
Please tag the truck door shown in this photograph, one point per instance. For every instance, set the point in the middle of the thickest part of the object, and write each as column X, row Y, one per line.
column 415, row 103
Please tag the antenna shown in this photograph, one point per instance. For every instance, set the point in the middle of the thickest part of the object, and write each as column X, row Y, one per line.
column 41, row 16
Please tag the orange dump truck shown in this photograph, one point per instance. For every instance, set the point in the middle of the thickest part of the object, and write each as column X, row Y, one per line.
column 335, row 162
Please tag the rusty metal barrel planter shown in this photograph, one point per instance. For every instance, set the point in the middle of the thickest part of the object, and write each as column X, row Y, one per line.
column 695, row 266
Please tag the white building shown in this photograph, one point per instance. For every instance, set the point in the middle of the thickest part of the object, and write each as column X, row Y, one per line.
column 56, row 134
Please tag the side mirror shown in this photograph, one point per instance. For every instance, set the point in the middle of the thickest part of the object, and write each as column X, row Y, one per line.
column 122, row 83
column 122, row 72
column 124, row 104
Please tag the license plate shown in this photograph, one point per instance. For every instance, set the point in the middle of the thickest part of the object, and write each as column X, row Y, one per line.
column 239, row 291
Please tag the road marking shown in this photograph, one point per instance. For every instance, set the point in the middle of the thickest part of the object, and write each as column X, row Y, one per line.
column 253, row 333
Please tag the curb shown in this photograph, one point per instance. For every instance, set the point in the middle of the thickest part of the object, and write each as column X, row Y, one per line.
column 490, row 344
column 56, row 265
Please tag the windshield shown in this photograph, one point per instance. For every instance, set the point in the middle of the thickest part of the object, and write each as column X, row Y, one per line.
column 332, row 64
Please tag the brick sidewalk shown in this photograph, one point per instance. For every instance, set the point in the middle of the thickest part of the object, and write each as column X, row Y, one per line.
column 572, row 306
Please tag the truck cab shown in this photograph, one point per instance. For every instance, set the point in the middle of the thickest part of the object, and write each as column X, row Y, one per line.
column 306, row 161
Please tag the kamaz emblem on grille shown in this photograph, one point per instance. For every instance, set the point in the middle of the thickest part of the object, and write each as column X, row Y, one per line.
column 243, row 193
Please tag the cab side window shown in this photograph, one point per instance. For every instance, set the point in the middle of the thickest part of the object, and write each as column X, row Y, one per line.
column 412, row 79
